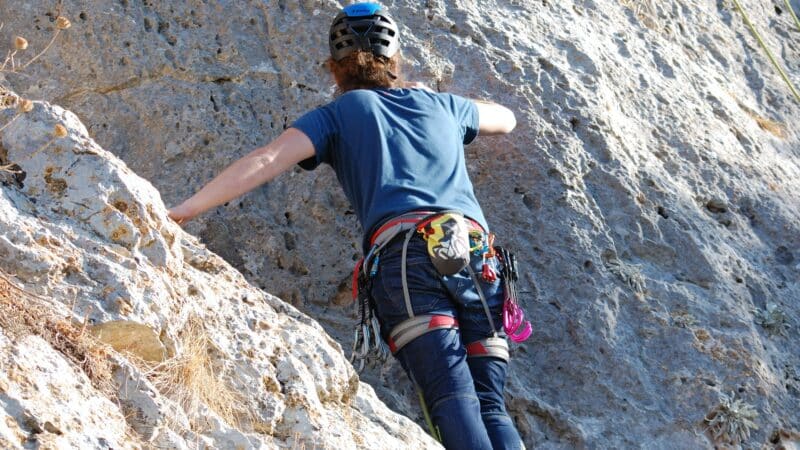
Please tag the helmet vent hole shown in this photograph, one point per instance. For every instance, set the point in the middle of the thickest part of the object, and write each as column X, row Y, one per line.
column 343, row 44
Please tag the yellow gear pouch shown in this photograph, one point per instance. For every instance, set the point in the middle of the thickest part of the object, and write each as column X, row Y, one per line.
column 447, row 236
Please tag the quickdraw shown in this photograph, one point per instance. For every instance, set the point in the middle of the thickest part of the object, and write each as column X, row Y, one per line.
column 514, row 324
column 367, row 340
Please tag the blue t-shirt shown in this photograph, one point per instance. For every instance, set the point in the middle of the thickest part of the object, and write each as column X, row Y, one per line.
column 396, row 150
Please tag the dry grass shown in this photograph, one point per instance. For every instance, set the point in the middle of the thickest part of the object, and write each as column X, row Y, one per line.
column 23, row 313
column 775, row 128
column 191, row 379
column 644, row 10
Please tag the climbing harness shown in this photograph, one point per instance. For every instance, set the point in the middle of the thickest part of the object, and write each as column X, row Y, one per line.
column 451, row 241
column 451, row 238
column 410, row 329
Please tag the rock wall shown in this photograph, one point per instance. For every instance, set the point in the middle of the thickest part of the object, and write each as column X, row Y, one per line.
column 650, row 189
column 206, row 360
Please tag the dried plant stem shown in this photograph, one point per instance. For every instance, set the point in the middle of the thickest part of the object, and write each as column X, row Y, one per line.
column 794, row 16
column 767, row 50
column 9, row 59
column 9, row 168
column 44, row 146
column 10, row 121
column 53, row 39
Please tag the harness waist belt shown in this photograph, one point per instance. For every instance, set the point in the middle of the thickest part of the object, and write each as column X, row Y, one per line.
column 407, row 221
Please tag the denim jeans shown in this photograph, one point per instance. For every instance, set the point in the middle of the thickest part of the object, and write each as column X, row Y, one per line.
column 464, row 395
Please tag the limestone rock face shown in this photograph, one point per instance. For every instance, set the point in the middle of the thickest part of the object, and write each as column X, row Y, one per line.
column 204, row 358
column 44, row 400
column 650, row 191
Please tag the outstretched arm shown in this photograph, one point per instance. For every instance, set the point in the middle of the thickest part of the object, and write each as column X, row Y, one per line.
column 494, row 119
column 247, row 173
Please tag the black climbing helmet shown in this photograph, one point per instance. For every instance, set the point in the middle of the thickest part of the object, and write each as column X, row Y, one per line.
column 363, row 26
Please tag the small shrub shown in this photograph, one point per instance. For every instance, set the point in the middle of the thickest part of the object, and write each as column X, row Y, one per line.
column 773, row 319
column 731, row 420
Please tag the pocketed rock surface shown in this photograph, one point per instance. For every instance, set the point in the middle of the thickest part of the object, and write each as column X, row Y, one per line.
column 87, row 234
column 650, row 191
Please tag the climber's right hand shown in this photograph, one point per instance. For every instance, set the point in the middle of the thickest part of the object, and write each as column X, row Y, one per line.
column 181, row 214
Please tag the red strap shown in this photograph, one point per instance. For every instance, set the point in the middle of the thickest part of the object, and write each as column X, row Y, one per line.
column 394, row 222
column 476, row 348
column 442, row 321
column 356, row 269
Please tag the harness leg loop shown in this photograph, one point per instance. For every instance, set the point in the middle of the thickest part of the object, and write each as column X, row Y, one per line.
column 414, row 327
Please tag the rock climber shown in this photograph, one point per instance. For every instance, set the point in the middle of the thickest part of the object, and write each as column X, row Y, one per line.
column 430, row 272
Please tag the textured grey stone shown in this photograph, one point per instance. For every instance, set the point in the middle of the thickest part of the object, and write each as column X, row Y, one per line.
column 91, row 239
column 650, row 210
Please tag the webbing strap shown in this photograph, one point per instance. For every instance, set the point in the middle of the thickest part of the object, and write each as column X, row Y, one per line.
column 492, row 346
column 478, row 288
column 410, row 329
column 406, row 295
column 397, row 225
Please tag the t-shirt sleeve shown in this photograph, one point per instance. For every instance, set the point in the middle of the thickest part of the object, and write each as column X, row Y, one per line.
column 320, row 126
column 465, row 113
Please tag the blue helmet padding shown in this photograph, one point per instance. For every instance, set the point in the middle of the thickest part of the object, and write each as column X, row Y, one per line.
column 361, row 9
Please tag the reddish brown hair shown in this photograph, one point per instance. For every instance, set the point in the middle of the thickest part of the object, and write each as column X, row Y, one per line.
column 363, row 70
